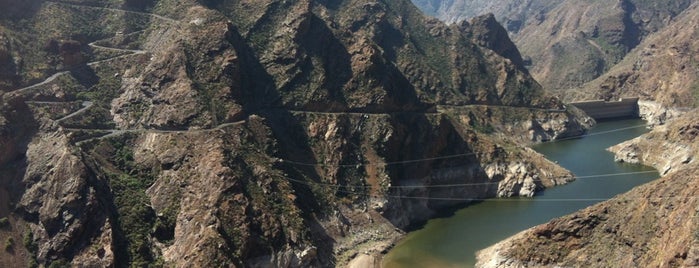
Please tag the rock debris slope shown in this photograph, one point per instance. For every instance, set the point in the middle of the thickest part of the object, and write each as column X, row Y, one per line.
column 254, row 133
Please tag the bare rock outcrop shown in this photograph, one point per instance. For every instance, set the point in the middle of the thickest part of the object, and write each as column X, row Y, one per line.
column 487, row 32
column 668, row 148
column 263, row 133
column 66, row 206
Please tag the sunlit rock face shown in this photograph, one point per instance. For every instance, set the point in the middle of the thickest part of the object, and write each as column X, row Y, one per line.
column 260, row 133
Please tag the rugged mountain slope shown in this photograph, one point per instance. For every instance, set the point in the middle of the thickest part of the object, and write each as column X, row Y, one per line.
column 513, row 13
column 654, row 225
column 246, row 133
column 663, row 68
column 570, row 42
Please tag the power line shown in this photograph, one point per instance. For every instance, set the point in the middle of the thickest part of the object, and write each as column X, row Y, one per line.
column 375, row 164
column 595, row 134
column 338, row 186
column 599, row 133
column 616, row 130
column 439, row 157
column 615, row 174
column 520, row 199
column 508, row 199
column 333, row 185
column 364, row 187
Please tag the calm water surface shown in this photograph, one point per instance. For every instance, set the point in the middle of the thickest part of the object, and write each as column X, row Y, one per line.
column 453, row 241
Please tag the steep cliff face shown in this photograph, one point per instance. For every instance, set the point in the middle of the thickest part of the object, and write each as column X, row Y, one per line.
column 246, row 133
column 653, row 225
column 487, row 32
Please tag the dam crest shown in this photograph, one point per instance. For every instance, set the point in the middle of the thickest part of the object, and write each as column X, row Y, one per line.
column 601, row 109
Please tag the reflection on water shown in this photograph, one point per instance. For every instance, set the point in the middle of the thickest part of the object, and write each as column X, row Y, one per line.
column 453, row 241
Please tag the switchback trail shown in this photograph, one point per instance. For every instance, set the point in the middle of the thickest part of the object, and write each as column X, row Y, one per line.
column 115, row 10
column 94, row 45
column 86, row 105
column 118, row 132
column 116, row 49
column 46, row 81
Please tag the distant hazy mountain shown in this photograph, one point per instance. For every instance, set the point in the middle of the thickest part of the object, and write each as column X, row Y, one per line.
column 569, row 42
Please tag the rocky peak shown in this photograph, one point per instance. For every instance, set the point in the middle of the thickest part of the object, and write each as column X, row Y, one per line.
column 487, row 32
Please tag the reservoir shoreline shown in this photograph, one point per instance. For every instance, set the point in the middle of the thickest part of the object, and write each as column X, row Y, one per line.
column 453, row 241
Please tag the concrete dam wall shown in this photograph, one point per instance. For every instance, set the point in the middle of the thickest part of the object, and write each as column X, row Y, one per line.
column 600, row 109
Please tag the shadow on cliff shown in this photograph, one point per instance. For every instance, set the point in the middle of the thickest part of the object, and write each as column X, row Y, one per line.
column 85, row 75
column 19, row 131
column 293, row 144
column 319, row 42
column 431, row 152
column 260, row 96
column 17, row 10
column 138, row 5
column 402, row 94
column 108, row 206
column 330, row 4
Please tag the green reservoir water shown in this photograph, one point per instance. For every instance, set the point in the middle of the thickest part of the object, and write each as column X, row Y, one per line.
column 453, row 241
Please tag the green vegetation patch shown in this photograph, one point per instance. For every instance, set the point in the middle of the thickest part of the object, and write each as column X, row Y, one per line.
column 9, row 244
column 60, row 264
column 128, row 182
column 107, row 87
column 695, row 92
column 4, row 222
column 135, row 216
column 32, row 248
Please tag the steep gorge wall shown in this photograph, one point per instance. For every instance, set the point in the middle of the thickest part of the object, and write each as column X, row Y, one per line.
column 269, row 132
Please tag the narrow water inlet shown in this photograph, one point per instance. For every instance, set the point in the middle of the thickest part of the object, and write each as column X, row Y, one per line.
column 453, row 241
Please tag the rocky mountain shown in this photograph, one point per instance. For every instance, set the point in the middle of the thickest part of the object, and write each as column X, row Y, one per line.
column 662, row 70
column 654, row 225
column 253, row 133
column 607, row 50
column 571, row 43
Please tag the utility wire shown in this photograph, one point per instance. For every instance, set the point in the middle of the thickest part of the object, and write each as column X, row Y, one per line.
column 615, row 174
column 519, row 199
column 460, row 184
column 375, row 164
column 598, row 133
column 508, row 199
column 439, row 157
column 446, row 157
